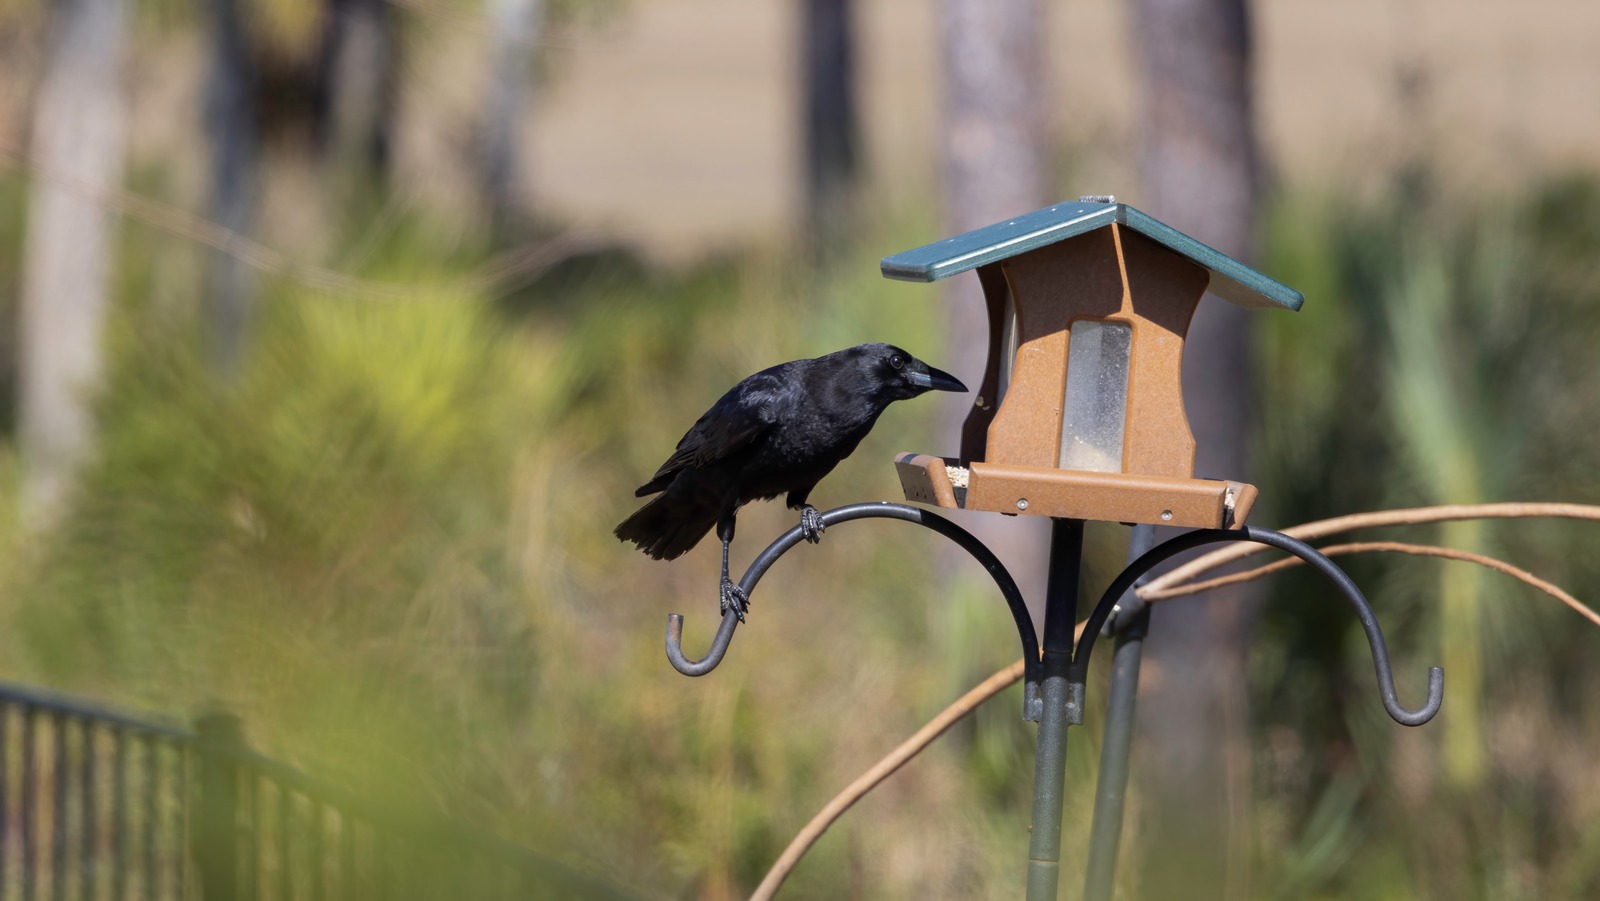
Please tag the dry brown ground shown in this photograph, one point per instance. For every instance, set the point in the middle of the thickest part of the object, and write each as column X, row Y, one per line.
column 674, row 124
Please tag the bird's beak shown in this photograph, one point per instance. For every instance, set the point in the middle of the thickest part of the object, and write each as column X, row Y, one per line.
column 934, row 380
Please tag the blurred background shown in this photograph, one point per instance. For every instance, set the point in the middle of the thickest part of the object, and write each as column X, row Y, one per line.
column 337, row 334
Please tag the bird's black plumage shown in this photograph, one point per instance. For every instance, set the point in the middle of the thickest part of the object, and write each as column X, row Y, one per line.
column 779, row 431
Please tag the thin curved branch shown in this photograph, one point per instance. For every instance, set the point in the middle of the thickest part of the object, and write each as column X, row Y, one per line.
column 1004, row 678
column 880, row 771
column 1365, row 547
column 1329, row 570
column 1410, row 516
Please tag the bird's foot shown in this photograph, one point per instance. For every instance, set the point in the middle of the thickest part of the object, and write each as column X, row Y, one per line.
column 811, row 525
column 734, row 598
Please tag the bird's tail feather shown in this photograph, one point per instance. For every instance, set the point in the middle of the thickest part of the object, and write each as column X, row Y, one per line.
column 666, row 527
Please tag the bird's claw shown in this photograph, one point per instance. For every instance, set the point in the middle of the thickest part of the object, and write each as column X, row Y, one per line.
column 811, row 524
column 734, row 598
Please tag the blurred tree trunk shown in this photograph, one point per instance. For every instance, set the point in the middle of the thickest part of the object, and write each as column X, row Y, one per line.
column 360, row 61
column 231, row 124
column 994, row 159
column 79, row 129
column 831, row 130
column 1200, row 167
column 507, row 192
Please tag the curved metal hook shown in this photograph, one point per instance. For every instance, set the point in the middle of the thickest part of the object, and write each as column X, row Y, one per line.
column 1318, row 561
column 875, row 510
column 719, row 645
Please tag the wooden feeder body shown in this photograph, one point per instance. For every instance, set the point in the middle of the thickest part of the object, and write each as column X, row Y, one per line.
column 1103, row 277
column 1110, row 441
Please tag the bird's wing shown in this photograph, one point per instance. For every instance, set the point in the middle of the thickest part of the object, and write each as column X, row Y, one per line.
column 734, row 423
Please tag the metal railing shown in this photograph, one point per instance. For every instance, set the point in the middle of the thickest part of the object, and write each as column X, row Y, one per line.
column 96, row 804
column 93, row 803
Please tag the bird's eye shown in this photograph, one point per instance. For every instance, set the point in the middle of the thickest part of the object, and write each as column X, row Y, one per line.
column 897, row 361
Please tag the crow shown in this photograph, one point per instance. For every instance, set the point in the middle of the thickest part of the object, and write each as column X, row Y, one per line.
column 780, row 430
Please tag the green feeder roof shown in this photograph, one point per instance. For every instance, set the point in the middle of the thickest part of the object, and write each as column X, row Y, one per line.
column 1231, row 280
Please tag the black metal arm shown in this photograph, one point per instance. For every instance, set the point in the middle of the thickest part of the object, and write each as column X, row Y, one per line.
column 1317, row 560
column 880, row 510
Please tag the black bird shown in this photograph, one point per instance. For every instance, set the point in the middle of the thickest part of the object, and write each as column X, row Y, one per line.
column 780, row 430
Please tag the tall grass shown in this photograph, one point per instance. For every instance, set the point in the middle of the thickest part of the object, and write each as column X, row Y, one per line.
column 1445, row 358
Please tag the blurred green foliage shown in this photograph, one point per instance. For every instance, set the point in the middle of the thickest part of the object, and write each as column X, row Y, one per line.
column 385, row 542
column 1445, row 355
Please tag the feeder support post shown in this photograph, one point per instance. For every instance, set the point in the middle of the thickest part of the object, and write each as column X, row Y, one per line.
column 1063, row 706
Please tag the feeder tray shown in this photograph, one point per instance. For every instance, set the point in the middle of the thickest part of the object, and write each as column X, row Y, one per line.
column 1110, row 497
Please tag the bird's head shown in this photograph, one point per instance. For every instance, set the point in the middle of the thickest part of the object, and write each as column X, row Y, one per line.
column 900, row 376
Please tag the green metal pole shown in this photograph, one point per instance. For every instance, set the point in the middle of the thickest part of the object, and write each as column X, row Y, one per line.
column 1131, row 623
column 1105, row 832
column 1063, row 706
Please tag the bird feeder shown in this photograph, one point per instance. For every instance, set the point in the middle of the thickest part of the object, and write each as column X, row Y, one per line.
column 1080, row 417
column 1080, row 414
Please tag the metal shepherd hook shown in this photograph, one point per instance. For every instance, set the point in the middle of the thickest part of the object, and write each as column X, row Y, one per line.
column 881, row 510
column 1317, row 560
